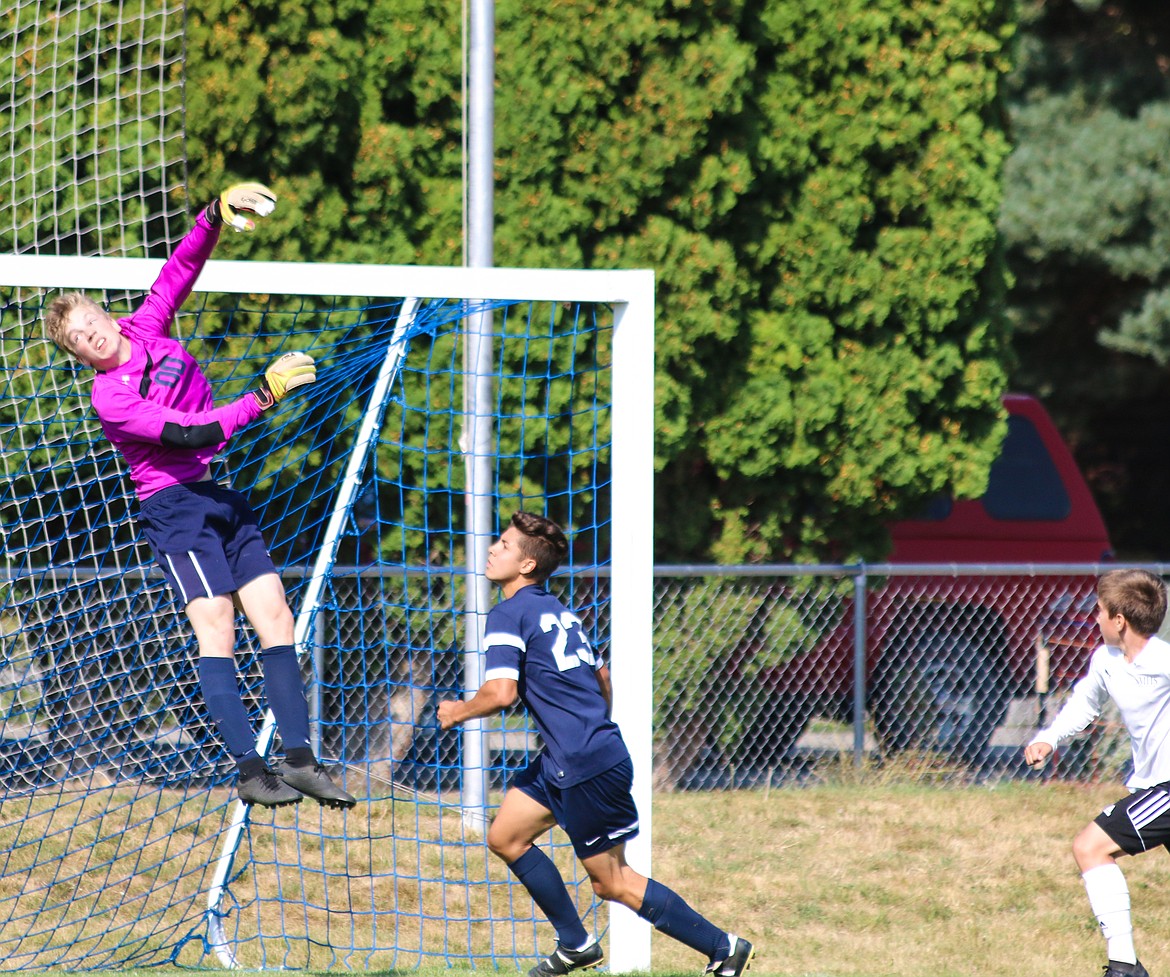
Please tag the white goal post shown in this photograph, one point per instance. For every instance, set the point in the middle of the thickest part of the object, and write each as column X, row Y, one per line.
column 630, row 295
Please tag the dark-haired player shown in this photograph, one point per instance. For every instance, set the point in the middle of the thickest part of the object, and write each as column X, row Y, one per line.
column 155, row 406
column 537, row 651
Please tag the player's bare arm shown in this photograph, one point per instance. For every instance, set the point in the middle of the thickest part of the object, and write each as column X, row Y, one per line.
column 493, row 695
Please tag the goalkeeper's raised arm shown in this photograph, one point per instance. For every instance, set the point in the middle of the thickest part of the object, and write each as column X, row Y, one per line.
column 153, row 399
column 156, row 407
column 233, row 208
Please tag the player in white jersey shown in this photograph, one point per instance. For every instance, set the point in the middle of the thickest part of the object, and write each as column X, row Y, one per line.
column 1132, row 667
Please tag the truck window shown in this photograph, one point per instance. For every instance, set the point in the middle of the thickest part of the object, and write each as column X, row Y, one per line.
column 1024, row 482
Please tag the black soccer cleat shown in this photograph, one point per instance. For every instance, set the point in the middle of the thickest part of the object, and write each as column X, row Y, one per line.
column 314, row 782
column 563, row 961
column 267, row 790
column 738, row 959
column 1115, row 969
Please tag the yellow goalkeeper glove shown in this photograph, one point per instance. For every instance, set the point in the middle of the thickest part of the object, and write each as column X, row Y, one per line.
column 285, row 373
column 240, row 199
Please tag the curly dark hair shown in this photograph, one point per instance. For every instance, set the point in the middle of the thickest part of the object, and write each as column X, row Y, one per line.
column 544, row 542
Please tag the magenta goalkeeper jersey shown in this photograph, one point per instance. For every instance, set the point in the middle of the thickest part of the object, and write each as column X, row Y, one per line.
column 162, row 385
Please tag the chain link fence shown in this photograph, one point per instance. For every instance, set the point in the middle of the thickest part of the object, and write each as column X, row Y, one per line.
column 762, row 675
column 767, row 675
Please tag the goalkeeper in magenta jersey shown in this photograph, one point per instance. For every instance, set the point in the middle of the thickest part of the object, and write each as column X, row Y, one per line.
column 156, row 407
column 538, row 652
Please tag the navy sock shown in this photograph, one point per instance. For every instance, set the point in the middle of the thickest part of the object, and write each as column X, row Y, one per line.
column 668, row 913
column 285, row 691
column 221, row 692
column 540, row 877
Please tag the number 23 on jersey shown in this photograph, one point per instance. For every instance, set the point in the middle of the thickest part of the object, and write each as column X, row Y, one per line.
column 568, row 630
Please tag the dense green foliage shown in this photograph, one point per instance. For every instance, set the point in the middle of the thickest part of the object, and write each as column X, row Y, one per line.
column 815, row 187
column 875, row 339
column 1085, row 217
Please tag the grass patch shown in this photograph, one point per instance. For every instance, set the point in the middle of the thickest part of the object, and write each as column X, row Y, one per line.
column 867, row 875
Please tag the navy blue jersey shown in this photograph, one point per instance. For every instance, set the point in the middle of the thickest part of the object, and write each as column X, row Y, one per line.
column 535, row 640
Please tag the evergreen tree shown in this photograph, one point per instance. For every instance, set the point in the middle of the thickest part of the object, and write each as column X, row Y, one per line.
column 1086, row 200
column 814, row 185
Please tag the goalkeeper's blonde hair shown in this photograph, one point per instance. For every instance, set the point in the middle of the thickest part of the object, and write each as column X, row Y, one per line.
column 58, row 315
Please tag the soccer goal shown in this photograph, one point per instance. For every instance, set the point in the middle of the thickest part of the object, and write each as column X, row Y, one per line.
column 446, row 399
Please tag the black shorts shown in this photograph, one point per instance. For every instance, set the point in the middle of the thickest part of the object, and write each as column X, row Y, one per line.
column 1140, row 821
column 206, row 538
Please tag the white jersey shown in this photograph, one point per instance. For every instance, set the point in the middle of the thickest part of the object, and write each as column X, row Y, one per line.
column 1141, row 689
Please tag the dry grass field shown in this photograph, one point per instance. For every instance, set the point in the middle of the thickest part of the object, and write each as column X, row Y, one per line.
column 868, row 881
column 871, row 875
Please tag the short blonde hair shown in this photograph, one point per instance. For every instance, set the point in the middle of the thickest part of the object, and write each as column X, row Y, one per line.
column 58, row 315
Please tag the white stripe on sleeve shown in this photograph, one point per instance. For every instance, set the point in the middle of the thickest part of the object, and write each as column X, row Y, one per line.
column 503, row 638
column 505, row 672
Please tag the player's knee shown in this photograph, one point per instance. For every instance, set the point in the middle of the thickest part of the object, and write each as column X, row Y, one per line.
column 502, row 844
column 214, row 624
column 602, row 889
column 1091, row 847
column 282, row 616
column 275, row 625
column 1084, row 855
column 612, row 890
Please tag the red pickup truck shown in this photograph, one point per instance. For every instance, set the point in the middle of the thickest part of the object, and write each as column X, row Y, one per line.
column 967, row 650
column 945, row 653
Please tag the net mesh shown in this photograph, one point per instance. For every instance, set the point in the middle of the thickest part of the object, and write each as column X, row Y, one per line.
column 115, row 792
column 92, row 151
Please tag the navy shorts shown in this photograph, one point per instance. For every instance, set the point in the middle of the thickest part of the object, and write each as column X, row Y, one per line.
column 1140, row 821
column 206, row 539
column 597, row 814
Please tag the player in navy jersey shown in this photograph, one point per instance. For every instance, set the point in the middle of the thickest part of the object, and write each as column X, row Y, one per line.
column 155, row 406
column 538, row 652
column 1131, row 667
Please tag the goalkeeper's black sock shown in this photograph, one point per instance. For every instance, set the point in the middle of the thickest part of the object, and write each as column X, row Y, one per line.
column 285, row 691
column 538, row 874
column 221, row 692
column 669, row 913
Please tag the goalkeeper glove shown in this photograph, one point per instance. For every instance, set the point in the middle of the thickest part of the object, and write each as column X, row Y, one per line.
column 239, row 199
column 284, row 374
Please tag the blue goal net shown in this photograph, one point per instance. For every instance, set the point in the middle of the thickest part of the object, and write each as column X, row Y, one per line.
column 123, row 842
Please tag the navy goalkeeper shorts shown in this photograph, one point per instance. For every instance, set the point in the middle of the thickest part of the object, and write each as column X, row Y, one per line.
column 206, row 538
